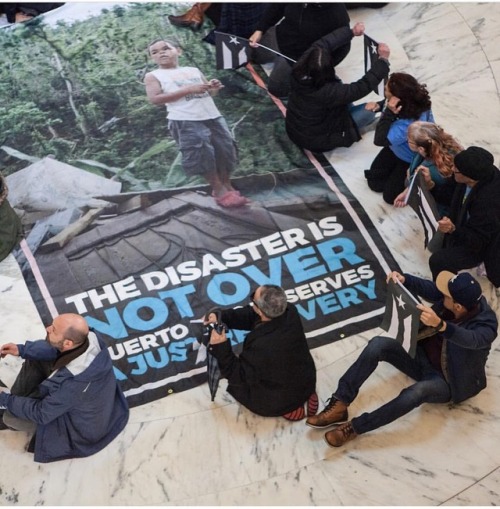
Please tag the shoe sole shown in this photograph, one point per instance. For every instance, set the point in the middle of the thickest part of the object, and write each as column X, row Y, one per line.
column 317, row 426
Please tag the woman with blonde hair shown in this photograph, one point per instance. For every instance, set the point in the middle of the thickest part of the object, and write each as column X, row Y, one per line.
column 434, row 150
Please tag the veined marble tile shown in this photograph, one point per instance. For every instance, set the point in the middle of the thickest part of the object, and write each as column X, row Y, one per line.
column 483, row 19
column 173, row 459
column 485, row 492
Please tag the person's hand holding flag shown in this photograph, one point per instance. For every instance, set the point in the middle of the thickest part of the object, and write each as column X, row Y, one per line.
column 429, row 318
column 358, row 29
column 446, row 225
column 396, row 277
column 255, row 38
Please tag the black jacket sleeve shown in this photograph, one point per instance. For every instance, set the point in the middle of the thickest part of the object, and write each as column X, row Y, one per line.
column 345, row 93
column 271, row 16
column 236, row 369
column 335, row 39
column 383, row 127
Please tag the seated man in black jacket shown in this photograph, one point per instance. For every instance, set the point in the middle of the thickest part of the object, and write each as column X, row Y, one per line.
column 275, row 373
column 448, row 365
column 473, row 228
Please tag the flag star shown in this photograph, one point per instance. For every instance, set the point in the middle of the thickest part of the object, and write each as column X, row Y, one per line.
column 234, row 40
column 401, row 302
column 374, row 48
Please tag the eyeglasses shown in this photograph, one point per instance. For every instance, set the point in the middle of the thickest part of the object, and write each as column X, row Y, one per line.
column 252, row 298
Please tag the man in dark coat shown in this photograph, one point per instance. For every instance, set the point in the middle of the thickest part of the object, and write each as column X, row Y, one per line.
column 473, row 231
column 275, row 373
column 449, row 363
column 319, row 108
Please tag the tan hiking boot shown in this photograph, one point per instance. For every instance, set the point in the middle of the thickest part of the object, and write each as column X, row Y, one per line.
column 340, row 435
column 334, row 412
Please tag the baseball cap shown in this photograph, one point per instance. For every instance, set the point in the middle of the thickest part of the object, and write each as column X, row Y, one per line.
column 462, row 288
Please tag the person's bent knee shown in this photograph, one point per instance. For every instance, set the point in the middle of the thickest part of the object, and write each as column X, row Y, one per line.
column 17, row 424
column 375, row 185
column 380, row 343
column 437, row 262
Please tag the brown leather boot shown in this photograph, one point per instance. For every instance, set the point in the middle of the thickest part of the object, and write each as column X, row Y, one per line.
column 193, row 18
column 334, row 412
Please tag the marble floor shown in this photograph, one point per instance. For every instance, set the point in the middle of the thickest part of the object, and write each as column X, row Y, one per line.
column 186, row 450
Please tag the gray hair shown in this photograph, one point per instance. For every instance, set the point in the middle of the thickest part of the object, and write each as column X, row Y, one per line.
column 272, row 301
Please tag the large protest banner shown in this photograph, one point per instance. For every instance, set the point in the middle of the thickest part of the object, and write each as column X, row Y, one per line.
column 119, row 233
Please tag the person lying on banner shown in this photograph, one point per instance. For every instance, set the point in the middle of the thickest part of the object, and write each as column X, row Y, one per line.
column 472, row 231
column 274, row 375
column 66, row 393
column 449, row 365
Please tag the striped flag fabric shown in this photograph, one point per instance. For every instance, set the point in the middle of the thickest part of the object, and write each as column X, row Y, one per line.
column 371, row 56
column 402, row 318
column 422, row 202
column 231, row 51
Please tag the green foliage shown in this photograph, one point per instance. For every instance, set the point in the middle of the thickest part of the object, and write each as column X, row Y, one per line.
column 76, row 91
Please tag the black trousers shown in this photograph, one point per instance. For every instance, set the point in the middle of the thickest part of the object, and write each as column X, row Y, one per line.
column 453, row 258
column 27, row 384
column 387, row 175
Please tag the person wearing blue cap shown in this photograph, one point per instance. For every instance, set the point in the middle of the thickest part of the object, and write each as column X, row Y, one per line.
column 472, row 232
column 449, row 364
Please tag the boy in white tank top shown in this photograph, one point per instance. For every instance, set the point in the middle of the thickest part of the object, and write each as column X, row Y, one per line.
column 197, row 126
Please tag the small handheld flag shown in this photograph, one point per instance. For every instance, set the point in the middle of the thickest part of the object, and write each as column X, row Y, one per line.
column 371, row 56
column 231, row 51
column 402, row 318
column 422, row 202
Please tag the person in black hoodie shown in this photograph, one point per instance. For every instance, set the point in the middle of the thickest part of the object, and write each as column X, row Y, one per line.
column 320, row 112
column 274, row 375
column 290, row 29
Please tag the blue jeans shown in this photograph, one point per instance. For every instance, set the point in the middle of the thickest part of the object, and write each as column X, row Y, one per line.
column 430, row 386
column 361, row 117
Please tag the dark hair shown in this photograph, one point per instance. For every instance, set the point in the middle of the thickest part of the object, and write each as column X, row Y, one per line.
column 272, row 301
column 171, row 42
column 316, row 66
column 414, row 96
